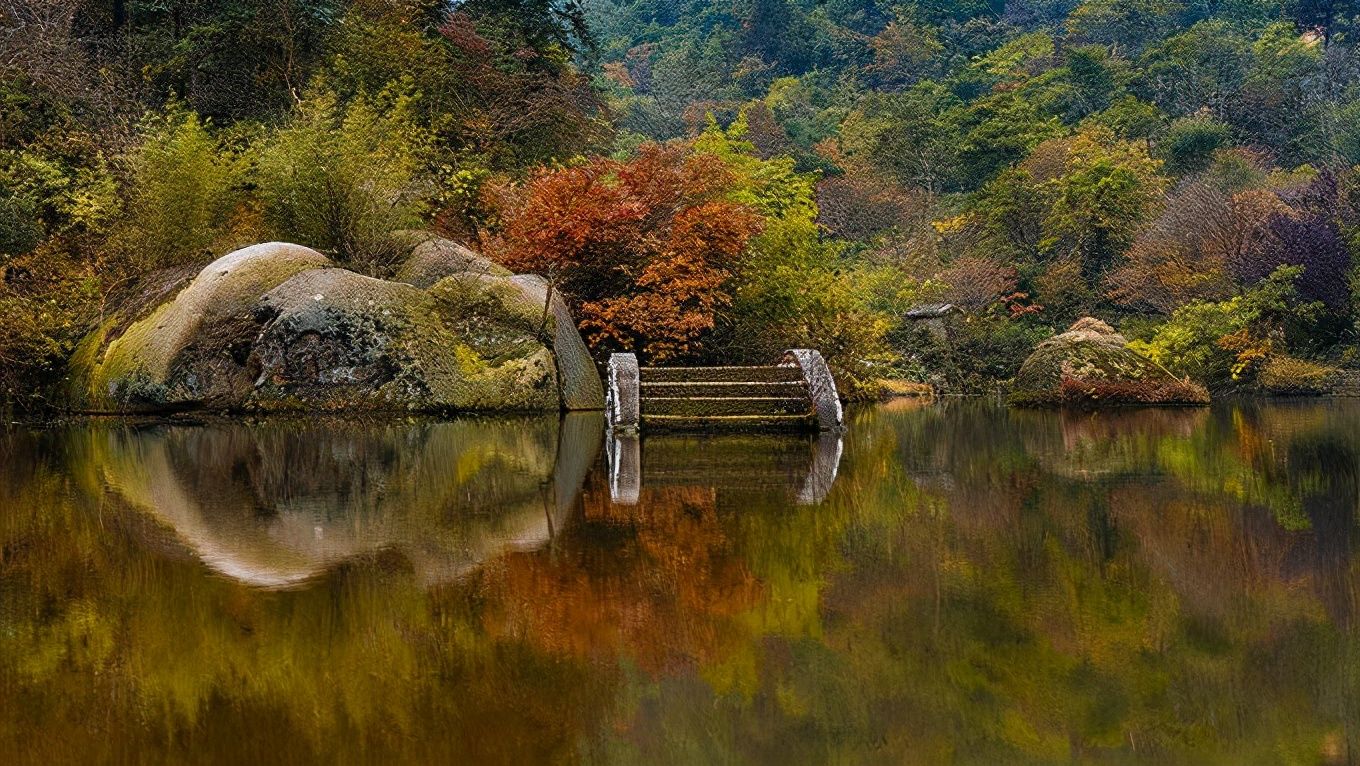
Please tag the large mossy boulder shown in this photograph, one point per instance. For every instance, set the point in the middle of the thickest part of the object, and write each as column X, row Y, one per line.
column 1091, row 365
column 278, row 327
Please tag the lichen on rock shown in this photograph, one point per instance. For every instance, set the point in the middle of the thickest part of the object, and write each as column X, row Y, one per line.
column 1091, row 365
column 278, row 327
column 433, row 259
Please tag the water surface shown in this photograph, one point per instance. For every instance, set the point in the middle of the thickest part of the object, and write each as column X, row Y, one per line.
column 947, row 584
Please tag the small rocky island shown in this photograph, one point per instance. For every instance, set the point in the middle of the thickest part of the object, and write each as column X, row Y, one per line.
column 1091, row 365
column 278, row 327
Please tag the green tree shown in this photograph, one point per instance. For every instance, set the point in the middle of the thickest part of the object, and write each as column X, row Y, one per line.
column 911, row 137
column 1105, row 192
column 1190, row 143
column 1125, row 23
column 183, row 192
column 342, row 178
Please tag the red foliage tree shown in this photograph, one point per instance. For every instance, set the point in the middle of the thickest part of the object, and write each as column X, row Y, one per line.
column 642, row 249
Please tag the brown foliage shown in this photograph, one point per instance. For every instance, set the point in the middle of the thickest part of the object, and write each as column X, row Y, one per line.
column 976, row 282
column 528, row 101
column 765, row 133
column 643, row 249
column 1077, row 392
column 1184, row 254
column 860, row 208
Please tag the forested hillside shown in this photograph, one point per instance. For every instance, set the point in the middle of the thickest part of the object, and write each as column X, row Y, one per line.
column 713, row 180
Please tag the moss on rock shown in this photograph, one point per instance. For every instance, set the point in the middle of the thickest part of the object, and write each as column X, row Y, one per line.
column 433, row 259
column 136, row 369
column 276, row 328
column 577, row 377
column 1091, row 365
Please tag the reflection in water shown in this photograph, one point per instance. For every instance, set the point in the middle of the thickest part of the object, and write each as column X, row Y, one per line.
column 976, row 585
column 803, row 467
column 278, row 504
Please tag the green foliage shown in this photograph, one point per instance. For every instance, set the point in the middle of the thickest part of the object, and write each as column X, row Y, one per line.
column 1075, row 201
column 342, row 177
column 1131, row 118
column 795, row 290
column 1109, row 187
column 772, row 186
column 1222, row 343
column 1001, row 130
column 1190, row 143
column 46, row 301
column 1287, row 375
column 228, row 59
column 912, row 137
column 1197, row 68
column 1132, row 22
column 988, row 349
column 1040, row 137
column 20, row 229
column 183, row 191
column 75, row 193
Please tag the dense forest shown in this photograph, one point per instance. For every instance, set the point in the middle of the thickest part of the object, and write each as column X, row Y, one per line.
column 714, row 180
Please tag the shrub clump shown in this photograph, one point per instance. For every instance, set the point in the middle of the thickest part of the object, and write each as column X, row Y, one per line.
column 1290, row 376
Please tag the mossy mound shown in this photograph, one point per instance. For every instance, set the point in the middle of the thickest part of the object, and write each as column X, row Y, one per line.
column 433, row 259
column 1091, row 365
column 277, row 327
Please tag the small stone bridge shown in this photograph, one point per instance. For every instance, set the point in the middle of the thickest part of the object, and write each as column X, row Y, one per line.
column 796, row 394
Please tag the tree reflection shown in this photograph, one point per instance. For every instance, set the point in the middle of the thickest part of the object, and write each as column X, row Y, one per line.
column 977, row 585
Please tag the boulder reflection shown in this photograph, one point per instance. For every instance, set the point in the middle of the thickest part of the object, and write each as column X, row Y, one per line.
column 277, row 504
column 800, row 467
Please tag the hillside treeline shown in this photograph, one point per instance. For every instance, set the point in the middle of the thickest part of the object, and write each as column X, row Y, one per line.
column 713, row 181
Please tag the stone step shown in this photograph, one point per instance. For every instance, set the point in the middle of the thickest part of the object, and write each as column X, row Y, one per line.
column 681, row 423
column 773, row 374
column 709, row 406
column 749, row 481
column 725, row 389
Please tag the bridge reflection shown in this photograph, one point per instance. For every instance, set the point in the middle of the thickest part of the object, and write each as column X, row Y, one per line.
column 802, row 467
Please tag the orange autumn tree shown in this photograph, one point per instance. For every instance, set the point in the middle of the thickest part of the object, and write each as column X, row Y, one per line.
column 642, row 249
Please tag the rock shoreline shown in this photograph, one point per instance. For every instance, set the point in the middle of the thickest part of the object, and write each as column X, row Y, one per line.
column 278, row 327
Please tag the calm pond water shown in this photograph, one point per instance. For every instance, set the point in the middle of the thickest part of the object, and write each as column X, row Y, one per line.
column 949, row 583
